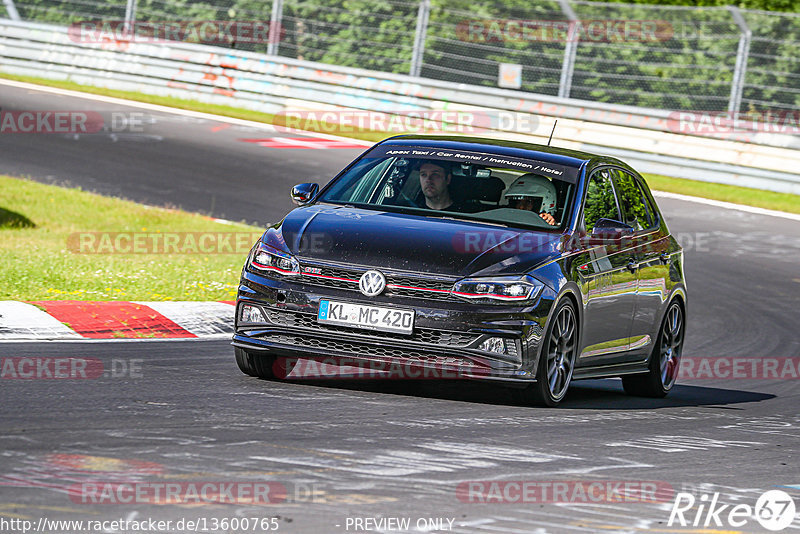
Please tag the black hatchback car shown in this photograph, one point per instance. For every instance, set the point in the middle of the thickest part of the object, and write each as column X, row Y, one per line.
column 491, row 259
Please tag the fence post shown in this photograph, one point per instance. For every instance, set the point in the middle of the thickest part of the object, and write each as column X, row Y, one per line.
column 570, row 49
column 275, row 22
column 742, row 53
column 420, row 34
column 11, row 9
column 130, row 16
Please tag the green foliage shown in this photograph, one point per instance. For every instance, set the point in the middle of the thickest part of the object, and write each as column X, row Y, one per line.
column 689, row 65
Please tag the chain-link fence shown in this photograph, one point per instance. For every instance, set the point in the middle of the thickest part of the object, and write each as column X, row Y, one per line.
column 773, row 66
column 665, row 57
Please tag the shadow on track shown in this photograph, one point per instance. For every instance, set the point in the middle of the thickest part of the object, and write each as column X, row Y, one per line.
column 604, row 394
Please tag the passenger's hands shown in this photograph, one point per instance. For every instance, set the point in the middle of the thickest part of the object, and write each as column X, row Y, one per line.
column 549, row 219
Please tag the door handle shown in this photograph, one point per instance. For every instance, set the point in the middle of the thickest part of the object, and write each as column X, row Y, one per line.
column 632, row 266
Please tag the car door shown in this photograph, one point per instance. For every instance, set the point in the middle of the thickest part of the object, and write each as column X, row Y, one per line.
column 607, row 283
column 650, row 244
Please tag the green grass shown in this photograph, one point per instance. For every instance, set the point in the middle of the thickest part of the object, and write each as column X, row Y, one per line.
column 738, row 195
column 42, row 262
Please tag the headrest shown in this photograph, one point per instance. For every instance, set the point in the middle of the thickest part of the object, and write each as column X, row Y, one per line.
column 488, row 189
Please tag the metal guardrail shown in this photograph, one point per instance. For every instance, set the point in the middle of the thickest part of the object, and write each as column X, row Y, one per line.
column 275, row 84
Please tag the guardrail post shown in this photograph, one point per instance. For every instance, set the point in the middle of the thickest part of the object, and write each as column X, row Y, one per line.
column 742, row 53
column 11, row 9
column 570, row 49
column 420, row 34
column 130, row 16
column 275, row 21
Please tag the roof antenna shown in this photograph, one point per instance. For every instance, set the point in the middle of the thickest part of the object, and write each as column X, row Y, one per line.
column 552, row 132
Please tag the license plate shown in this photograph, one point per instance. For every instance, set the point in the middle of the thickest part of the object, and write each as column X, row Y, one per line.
column 366, row 316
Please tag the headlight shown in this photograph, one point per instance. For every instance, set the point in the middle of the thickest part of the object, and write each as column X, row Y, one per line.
column 265, row 258
column 498, row 289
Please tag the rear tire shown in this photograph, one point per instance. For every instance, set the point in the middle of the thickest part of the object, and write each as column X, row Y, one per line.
column 264, row 366
column 665, row 360
column 556, row 360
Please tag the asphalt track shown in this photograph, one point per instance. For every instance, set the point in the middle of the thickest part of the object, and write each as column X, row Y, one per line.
column 358, row 449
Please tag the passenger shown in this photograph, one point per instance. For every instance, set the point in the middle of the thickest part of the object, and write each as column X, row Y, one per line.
column 533, row 192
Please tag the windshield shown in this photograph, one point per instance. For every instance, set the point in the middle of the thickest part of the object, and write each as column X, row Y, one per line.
column 462, row 184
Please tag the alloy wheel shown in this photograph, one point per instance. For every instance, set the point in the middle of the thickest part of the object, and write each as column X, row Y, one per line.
column 561, row 352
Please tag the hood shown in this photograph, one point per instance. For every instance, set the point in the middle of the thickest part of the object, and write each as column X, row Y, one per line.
column 399, row 241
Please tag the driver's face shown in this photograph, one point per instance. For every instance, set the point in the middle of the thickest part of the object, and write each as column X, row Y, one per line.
column 433, row 180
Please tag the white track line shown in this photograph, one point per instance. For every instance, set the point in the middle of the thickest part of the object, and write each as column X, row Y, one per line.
column 176, row 111
column 269, row 127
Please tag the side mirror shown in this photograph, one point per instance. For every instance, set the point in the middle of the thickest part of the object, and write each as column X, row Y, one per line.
column 304, row 193
column 611, row 229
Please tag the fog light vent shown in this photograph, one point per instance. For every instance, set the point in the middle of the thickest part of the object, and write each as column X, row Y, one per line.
column 499, row 345
column 251, row 314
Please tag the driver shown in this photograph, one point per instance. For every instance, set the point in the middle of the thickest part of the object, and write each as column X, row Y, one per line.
column 434, row 180
column 533, row 192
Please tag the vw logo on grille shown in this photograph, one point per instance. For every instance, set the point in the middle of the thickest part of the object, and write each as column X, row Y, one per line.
column 372, row 283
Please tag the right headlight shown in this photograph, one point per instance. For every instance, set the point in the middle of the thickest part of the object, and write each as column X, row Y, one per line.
column 266, row 258
column 498, row 289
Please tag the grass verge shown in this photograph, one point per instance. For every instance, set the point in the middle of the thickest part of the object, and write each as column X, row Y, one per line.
column 727, row 193
column 52, row 247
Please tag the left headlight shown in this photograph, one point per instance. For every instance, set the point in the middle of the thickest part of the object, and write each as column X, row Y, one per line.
column 498, row 289
column 266, row 258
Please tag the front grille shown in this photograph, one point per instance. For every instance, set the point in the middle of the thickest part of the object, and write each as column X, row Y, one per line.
column 402, row 356
column 343, row 278
column 421, row 335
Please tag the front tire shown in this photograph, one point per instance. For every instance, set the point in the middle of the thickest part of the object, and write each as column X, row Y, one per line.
column 245, row 361
column 556, row 361
column 264, row 366
column 665, row 359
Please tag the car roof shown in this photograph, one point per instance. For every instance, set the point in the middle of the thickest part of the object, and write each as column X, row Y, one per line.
column 563, row 156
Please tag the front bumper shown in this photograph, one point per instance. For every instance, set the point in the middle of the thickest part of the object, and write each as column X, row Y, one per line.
column 446, row 337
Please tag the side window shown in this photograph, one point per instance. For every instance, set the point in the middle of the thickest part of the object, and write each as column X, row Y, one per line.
column 651, row 209
column 631, row 201
column 600, row 202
